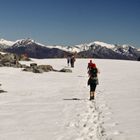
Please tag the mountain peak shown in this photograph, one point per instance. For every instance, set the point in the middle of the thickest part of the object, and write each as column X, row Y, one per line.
column 28, row 41
column 25, row 41
column 6, row 42
column 110, row 46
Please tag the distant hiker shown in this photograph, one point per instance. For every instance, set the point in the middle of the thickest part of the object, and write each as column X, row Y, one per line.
column 72, row 60
column 68, row 60
column 93, row 79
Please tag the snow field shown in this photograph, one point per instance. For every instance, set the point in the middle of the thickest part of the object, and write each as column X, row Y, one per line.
column 56, row 106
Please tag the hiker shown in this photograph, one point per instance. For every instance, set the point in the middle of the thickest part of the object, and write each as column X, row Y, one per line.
column 68, row 60
column 72, row 60
column 93, row 78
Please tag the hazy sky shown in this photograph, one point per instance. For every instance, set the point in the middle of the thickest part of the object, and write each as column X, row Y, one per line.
column 71, row 22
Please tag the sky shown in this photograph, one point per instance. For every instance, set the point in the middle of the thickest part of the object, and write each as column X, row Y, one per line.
column 71, row 22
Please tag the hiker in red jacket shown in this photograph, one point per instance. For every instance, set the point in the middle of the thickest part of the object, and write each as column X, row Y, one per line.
column 93, row 78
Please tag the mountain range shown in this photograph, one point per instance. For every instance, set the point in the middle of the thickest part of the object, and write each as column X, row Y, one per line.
column 96, row 49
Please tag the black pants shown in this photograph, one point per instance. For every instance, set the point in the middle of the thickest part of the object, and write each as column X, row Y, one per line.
column 92, row 82
column 92, row 87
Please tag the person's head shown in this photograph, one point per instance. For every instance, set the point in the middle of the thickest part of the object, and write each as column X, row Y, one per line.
column 90, row 61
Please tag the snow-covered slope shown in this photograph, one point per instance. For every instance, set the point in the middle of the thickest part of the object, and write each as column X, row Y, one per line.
column 44, row 106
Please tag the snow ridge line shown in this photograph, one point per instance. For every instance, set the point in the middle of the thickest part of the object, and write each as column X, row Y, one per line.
column 89, row 124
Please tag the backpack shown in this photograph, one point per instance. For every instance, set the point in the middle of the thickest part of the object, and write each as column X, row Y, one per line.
column 93, row 72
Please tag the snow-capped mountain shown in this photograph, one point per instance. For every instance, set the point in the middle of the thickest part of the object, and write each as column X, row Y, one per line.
column 83, row 47
column 34, row 49
column 97, row 45
column 18, row 43
column 5, row 44
column 96, row 49
column 25, row 42
column 103, row 50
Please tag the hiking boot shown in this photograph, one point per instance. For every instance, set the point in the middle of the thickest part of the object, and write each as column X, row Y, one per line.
column 91, row 95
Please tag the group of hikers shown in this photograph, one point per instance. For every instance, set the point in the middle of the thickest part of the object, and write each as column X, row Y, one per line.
column 92, row 73
column 70, row 60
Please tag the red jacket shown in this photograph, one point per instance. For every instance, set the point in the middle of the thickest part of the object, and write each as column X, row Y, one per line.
column 91, row 65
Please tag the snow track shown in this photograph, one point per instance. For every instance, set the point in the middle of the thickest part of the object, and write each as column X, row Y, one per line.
column 89, row 125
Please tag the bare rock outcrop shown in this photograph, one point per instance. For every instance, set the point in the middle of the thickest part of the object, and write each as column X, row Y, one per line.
column 38, row 68
column 11, row 60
